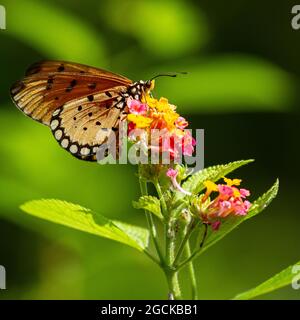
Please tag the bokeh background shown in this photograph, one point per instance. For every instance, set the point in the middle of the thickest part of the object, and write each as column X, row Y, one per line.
column 242, row 88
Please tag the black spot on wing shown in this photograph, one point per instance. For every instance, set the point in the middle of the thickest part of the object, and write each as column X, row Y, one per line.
column 73, row 83
column 17, row 87
column 33, row 69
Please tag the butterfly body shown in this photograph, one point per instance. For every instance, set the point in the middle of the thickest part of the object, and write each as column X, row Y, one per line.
column 82, row 105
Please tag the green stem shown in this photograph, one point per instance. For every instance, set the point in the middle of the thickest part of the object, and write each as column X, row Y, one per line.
column 154, row 259
column 150, row 221
column 194, row 254
column 162, row 199
column 171, row 274
column 187, row 260
column 204, row 236
column 183, row 243
column 165, row 262
column 170, row 244
column 173, row 284
column 192, row 273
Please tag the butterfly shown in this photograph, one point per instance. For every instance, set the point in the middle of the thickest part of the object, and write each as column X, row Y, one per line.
column 82, row 105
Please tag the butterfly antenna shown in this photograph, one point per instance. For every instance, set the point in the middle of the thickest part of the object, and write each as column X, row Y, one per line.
column 172, row 75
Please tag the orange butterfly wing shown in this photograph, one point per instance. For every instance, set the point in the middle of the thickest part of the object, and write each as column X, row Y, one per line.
column 48, row 85
column 81, row 104
column 82, row 128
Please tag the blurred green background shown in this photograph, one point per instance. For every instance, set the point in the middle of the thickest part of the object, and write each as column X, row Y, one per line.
column 242, row 88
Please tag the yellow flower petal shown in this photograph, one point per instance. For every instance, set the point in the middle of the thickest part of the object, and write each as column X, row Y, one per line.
column 232, row 182
column 210, row 186
column 139, row 121
column 161, row 109
column 151, row 102
column 170, row 118
column 236, row 193
column 163, row 105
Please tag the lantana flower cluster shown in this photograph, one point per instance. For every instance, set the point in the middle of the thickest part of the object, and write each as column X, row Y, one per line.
column 218, row 202
column 229, row 201
column 169, row 137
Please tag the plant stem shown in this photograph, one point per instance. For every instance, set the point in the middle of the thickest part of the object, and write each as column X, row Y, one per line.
column 192, row 273
column 187, row 260
column 181, row 248
column 195, row 253
column 187, row 235
column 162, row 199
column 151, row 225
column 171, row 274
column 204, row 236
column 170, row 245
column 173, row 284
column 154, row 259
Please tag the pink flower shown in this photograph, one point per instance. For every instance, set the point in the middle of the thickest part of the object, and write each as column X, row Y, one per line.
column 194, row 142
column 172, row 174
column 168, row 144
column 241, row 208
column 181, row 123
column 188, row 144
column 225, row 190
column 244, row 193
column 150, row 113
column 225, row 208
column 247, row 205
column 229, row 201
column 136, row 107
column 130, row 127
column 172, row 144
column 216, row 225
column 177, row 145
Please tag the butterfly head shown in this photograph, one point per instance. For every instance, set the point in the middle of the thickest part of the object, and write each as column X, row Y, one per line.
column 149, row 85
column 140, row 88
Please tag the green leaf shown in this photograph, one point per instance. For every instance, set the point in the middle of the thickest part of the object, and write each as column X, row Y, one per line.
column 194, row 183
column 139, row 234
column 80, row 218
column 262, row 202
column 149, row 203
column 281, row 279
